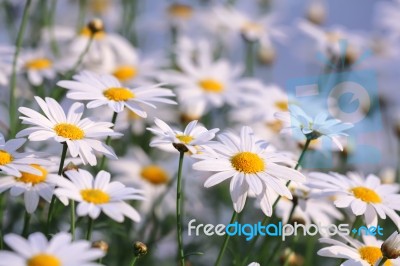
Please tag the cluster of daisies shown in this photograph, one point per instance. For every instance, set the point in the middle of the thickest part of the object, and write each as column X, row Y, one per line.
column 102, row 140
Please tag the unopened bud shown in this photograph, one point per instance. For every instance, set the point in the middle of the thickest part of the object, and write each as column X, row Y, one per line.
column 316, row 13
column 102, row 245
column 95, row 25
column 140, row 249
column 180, row 147
column 69, row 167
column 391, row 247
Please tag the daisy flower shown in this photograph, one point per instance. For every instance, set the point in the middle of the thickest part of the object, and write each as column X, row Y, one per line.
column 207, row 82
column 354, row 252
column 313, row 128
column 365, row 196
column 13, row 162
column 31, row 185
column 79, row 134
column 250, row 167
column 6, row 55
column 97, row 195
column 107, row 90
column 194, row 137
column 38, row 66
column 38, row 251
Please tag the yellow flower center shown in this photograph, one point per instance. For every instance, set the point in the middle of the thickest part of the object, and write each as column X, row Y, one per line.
column 366, row 195
column 372, row 255
column 251, row 26
column 95, row 196
column 38, row 64
column 5, row 157
column 154, row 174
column 31, row 178
column 180, row 11
column 44, row 260
column 211, row 85
column 248, row 162
column 282, row 105
column 184, row 138
column 118, row 94
column 69, row 131
column 99, row 6
column 333, row 36
column 98, row 35
column 275, row 126
column 124, row 73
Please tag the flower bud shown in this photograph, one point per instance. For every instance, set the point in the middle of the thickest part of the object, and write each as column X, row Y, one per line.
column 102, row 245
column 95, row 26
column 391, row 247
column 180, row 147
column 140, row 249
column 69, row 167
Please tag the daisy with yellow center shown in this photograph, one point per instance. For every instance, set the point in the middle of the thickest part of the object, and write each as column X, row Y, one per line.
column 14, row 163
column 365, row 253
column 364, row 196
column 96, row 195
column 38, row 251
column 38, row 66
column 81, row 135
column 33, row 186
column 205, row 82
column 194, row 137
column 107, row 90
column 251, row 168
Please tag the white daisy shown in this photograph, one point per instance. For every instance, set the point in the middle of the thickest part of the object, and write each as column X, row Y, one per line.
column 13, row 162
column 38, row 251
column 97, row 195
column 107, row 90
column 365, row 196
column 79, row 134
column 194, row 137
column 354, row 252
column 6, row 56
column 254, row 264
column 299, row 123
column 38, row 66
column 31, row 185
column 250, row 167
column 208, row 83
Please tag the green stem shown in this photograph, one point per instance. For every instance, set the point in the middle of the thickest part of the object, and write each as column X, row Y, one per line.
column 27, row 219
column 2, row 207
column 50, row 21
column 179, row 201
column 80, row 58
column 250, row 45
column 266, row 219
column 382, row 261
column 108, row 141
column 134, row 261
column 81, row 15
column 53, row 199
column 226, row 240
column 357, row 223
column 73, row 219
column 89, row 228
column 13, row 83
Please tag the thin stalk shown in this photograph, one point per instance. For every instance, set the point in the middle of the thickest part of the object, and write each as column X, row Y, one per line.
column 81, row 15
column 108, row 141
column 250, row 46
column 13, row 82
column 226, row 240
column 53, row 199
column 357, row 223
column 50, row 24
column 179, row 201
column 382, row 261
column 134, row 261
column 2, row 207
column 27, row 219
column 266, row 219
column 73, row 219
column 89, row 228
